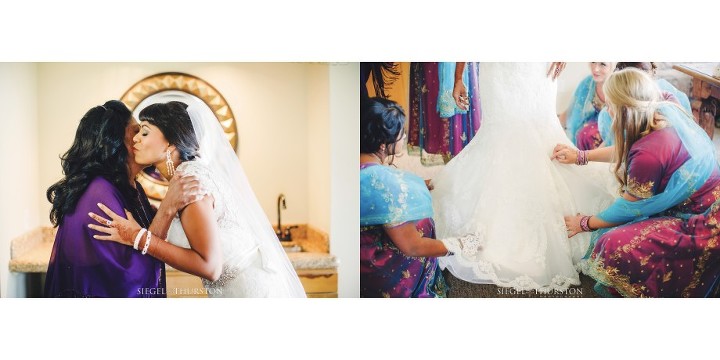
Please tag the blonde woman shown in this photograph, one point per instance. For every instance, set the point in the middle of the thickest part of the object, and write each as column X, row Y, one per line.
column 660, row 239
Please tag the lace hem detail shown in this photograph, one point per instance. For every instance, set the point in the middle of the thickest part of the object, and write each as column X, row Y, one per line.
column 485, row 270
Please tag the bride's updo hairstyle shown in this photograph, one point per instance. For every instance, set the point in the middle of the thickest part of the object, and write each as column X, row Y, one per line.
column 381, row 122
column 174, row 122
column 632, row 97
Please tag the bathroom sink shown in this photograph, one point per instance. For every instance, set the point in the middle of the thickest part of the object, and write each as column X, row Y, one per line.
column 306, row 239
column 291, row 248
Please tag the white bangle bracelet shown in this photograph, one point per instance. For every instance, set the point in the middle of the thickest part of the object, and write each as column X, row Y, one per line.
column 147, row 243
column 137, row 238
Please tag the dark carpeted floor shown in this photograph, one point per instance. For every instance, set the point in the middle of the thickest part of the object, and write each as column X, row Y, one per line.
column 463, row 289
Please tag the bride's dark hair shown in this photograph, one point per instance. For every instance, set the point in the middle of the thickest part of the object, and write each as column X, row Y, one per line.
column 174, row 122
column 98, row 150
column 381, row 122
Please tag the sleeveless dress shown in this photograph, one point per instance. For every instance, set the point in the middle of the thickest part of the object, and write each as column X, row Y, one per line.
column 249, row 270
column 504, row 186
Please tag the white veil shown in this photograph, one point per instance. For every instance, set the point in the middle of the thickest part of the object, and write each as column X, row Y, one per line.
column 217, row 154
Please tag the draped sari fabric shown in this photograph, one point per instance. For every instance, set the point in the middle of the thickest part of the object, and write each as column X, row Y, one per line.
column 668, row 245
column 81, row 266
column 390, row 197
column 582, row 116
column 438, row 130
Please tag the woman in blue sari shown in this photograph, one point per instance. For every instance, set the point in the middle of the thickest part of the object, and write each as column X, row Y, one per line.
column 581, row 117
column 398, row 250
column 660, row 239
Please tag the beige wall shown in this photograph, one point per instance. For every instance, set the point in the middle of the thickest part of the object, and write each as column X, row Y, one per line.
column 19, row 164
column 269, row 100
column 567, row 83
column 318, row 93
column 345, row 184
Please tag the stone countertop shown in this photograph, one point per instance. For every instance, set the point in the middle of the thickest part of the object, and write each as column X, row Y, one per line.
column 312, row 260
column 30, row 253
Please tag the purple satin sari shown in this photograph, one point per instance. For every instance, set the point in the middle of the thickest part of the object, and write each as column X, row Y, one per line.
column 81, row 266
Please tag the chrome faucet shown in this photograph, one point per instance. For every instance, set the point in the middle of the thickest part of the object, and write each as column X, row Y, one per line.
column 283, row 235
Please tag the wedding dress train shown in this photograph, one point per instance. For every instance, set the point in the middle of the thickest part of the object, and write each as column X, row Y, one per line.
column 504, row 186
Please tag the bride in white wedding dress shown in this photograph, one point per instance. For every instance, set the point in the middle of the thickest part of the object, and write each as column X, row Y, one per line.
column 225, row 237
column 504, row 187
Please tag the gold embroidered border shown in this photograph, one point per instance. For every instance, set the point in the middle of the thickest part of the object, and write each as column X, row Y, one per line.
column 611, row 277
column 638, row 239
column 712, row 243
column 638, row 189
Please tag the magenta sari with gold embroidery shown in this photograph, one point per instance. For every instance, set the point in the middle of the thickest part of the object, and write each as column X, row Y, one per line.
column 668, row 255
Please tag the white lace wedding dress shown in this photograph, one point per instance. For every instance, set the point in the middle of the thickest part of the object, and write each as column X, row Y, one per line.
column 250, row 269
column 504, row 186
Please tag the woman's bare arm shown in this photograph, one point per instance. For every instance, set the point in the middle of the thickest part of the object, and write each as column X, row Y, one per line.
column 410, row 241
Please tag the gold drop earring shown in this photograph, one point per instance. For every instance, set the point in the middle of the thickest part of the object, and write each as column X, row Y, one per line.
column 169, row 163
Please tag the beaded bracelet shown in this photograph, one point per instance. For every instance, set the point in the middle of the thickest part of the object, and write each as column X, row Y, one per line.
column 585, row 223
column 147, row 243
column 136, row 244
column 582, row 157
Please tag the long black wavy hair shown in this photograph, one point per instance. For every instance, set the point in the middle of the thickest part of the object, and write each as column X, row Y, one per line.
column 174, row 122
column 384, row 74
column 98, row 150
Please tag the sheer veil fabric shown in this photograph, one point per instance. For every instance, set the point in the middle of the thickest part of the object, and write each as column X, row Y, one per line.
column 245, row 213
column 254, row 262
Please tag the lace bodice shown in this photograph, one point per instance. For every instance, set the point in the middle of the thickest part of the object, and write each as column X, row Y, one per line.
column 516, row 92
column 237, row 242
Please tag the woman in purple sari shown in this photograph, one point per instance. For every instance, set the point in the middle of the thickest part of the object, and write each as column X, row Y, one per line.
column 99, row 168
column 660, row 239
column 438, row 129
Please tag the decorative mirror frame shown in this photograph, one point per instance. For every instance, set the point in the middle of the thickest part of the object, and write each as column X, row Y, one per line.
column 156, row 188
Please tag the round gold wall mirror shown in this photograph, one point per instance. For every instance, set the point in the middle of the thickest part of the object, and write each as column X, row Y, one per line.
column 175, row 86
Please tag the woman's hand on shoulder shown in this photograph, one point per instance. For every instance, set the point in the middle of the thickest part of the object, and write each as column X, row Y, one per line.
column 184, row 189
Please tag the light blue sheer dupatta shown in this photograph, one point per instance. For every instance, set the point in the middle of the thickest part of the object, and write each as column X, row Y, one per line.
column 391, row 196
column 681, row 96
column 581, row 108
column 446, row 106
column 605, row 122
column 685, row 181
